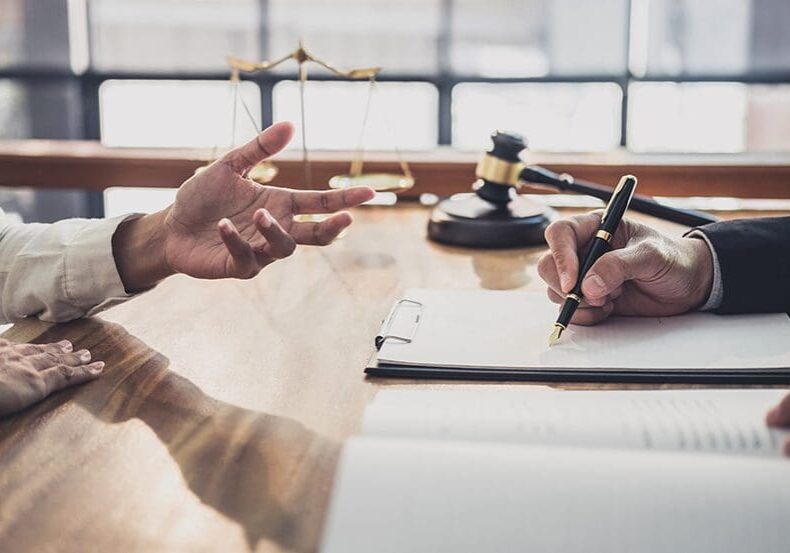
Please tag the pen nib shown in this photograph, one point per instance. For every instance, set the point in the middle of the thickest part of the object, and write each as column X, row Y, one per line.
column 555, row 335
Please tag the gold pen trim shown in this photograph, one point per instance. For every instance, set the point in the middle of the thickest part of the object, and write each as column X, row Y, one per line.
column 616, row 191
column 573, row 297
column 604, row 235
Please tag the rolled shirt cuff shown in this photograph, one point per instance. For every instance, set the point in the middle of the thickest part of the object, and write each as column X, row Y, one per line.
column 91, row 279
column 717, row 290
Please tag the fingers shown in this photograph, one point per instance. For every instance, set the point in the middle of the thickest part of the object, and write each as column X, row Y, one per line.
column 244, row 261
column 547, row 270
column 642, row 261
column 585, row 315
column 588, row 316
column 248, row 260
column 64, row 346
column 279, row 244
column 780, row 415
column 330, row 201
column 565, row 238
column 62, row 376
column 263, row 146
column 321, row 233
column 41, row 361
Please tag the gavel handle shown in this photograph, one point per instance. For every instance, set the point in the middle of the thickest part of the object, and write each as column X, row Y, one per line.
column 643, row 204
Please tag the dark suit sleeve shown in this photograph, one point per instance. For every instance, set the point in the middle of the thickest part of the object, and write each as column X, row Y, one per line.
column 754, row 257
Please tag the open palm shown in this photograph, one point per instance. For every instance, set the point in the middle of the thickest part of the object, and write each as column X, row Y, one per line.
column 225, row 225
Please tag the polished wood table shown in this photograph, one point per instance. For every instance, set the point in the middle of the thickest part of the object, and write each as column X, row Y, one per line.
column 218, row 423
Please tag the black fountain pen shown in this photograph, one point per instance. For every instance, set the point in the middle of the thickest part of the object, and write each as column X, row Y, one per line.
column 601, row 244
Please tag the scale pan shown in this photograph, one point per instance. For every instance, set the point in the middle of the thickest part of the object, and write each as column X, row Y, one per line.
column 380, row 182
column 263, row 173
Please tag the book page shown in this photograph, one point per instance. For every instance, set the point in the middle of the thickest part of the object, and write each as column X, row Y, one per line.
column 721, row 421
column 396, row 495
column 505, row 329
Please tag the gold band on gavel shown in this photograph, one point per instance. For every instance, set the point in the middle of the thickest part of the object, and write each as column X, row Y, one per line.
column 497, row 171
column 604, row 235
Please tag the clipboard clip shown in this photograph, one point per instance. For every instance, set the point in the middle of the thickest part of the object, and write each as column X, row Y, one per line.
column 386, row 333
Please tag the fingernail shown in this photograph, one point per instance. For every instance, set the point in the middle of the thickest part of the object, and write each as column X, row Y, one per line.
column 65, row 345
column 97, row 367
column 594, row 284
column 224, row 224
column 266, row 219
column 85, row 355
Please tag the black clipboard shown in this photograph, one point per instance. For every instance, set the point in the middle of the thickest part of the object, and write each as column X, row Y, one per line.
column 374, row 368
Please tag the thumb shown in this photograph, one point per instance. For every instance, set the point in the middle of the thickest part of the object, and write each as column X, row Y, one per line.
column 640, row 261
column 266, row 144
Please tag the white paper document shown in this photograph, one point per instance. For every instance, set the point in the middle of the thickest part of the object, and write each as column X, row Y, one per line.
column 712, row 421
column 563, row 472
column 509, row 330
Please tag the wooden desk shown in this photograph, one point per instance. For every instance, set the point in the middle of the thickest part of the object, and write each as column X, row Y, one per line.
column 218, row 423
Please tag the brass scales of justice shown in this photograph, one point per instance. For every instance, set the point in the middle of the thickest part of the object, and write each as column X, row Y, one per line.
column 463, row 220
column 266, row 171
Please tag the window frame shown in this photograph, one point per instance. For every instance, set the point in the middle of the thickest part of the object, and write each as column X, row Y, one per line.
column 90, row 80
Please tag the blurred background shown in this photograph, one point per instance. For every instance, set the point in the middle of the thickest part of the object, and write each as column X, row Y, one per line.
column 688, row 76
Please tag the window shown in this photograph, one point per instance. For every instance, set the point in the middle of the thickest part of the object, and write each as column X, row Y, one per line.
column 178, row 113
column 709, row 117
column 535, row 38
column 174, row 36
column 399, row 35
column 552, row 117
column 572, row 75
column 400, row 115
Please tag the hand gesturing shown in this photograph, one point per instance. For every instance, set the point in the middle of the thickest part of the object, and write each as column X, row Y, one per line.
column 224, row 225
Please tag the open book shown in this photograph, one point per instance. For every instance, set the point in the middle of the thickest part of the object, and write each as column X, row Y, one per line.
column 520, row 470
column 504, row 335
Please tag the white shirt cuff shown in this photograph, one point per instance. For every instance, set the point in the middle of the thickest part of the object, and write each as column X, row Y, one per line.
column 717, row 290
column 91, row 276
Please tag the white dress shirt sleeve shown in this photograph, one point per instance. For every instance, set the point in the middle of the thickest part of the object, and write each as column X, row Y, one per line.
column 60, row 271
column 717, row 289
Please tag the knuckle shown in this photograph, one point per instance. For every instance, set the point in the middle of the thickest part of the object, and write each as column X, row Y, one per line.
column 33, row 381
column 66, row 372
column 26, row 349
column 560, row 261
column 613, row 271
column 317, row 236
column 556, row 228
column 37, row 385
column 544, row 263
column 650, row 247
column 30, row 375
